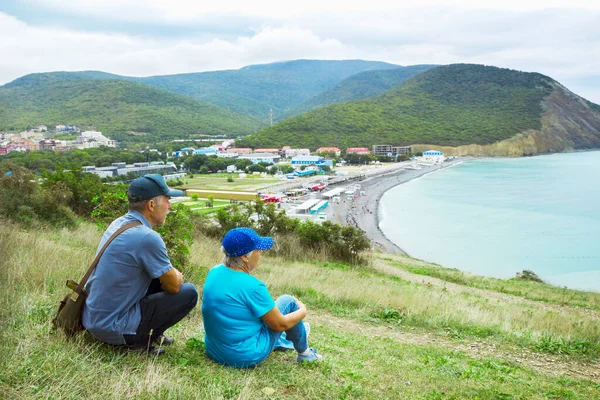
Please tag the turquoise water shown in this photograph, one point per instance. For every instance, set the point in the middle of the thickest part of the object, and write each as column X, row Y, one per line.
column 496, row 217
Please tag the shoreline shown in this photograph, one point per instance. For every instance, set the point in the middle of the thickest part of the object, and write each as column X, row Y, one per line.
column 363, row 212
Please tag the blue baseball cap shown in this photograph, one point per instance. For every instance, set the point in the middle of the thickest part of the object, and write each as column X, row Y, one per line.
column 150, row 186
column 240, row 241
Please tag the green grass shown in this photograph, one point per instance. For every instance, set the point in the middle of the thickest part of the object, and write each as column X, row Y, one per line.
column 219, row 182
column 368, row 324
column 517, row 287
column 199, row 205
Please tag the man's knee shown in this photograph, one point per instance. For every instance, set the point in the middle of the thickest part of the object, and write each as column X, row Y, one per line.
column 188, row 294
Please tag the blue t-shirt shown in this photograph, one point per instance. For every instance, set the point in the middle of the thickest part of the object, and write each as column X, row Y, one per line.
column 122, row 278
column 233, row 303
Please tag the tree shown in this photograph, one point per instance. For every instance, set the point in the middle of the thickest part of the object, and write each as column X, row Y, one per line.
column 84, row 187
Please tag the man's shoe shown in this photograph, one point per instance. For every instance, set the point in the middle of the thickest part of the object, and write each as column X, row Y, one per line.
column 312, row 356
column 163, row 340
column 151, row 351
column 156, row 351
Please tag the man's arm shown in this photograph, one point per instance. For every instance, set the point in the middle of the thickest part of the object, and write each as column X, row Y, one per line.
column 171, row 280
column 279, row 322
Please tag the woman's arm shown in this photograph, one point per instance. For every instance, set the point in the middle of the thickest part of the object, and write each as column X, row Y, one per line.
column 279, row 322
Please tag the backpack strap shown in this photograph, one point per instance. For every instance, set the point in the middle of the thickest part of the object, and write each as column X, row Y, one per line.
column 79, row 289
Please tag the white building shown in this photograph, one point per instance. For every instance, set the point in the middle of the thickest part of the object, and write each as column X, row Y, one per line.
column 262, row 157
column 227, row 155
column 434, row 156
column 90, row 139
column 296, row 152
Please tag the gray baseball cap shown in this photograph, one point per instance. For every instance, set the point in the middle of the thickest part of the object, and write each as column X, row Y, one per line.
column 150, row 186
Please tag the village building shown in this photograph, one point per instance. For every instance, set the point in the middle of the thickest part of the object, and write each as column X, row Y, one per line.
column 434, row 156
column 389, row 150
column 335, row 150
column 239, row 150
column 139, row 169
column 272, row 151
column 91, row 139
column 358, row 150
column 289, row 152
column 311, row 160
column 208, row 151
column 261, row 157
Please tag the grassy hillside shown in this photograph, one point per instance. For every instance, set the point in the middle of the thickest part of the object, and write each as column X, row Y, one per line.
column 395, row 328
column 449, row 105
column 251, row 90
column 116, row 107
column 361, row 86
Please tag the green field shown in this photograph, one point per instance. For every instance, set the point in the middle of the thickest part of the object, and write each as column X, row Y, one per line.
column 392, row 328
column 200, row 205
column 219, row 182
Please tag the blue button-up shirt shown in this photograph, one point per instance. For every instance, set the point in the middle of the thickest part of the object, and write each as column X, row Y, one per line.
column 121, row 279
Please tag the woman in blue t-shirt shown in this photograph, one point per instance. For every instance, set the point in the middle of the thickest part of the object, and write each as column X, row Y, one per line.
column 242, row 323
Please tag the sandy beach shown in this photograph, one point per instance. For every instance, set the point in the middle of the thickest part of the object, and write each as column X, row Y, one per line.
column 363, row 211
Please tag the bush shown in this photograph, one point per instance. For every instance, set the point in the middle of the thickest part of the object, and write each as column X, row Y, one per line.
column 84, row 187
column 528, row 275
column 177, row 233
column 328, row 240
column 24, row 200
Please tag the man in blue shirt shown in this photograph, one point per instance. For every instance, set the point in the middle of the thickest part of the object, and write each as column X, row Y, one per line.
column 135, row 294
column 242, row 323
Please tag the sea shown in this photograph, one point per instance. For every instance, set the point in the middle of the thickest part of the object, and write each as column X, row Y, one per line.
column 499, row 216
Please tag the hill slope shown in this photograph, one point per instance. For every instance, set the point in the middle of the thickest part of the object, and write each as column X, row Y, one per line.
column 116, row 107
column 397, row 329
column 361, row 86
column 251, row 90
column 451, row 105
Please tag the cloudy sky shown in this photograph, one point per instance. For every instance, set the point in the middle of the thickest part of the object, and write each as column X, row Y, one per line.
column 156, row 37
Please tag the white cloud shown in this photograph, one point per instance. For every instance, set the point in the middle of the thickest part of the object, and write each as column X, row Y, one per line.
column 190, row 10
column 562, row 43
column 30, row 49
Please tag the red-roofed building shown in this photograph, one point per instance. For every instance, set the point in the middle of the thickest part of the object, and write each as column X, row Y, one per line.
column 358, row 150
column 274, row 151
column 336, row 150
column 239, row 150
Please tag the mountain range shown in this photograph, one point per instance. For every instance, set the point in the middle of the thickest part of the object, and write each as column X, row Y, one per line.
column 470, row 109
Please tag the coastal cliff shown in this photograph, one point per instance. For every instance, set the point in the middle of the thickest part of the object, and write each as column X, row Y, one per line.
column 569, row 123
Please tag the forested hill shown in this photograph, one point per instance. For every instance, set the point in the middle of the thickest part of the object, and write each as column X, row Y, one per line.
column 252, row 90
column 255, row 89
column 452, row 105
column 48, row 78
column 116, row 108
column 363, row 85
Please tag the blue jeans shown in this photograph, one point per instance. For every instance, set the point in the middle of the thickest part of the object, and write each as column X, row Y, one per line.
column 161, row 310
column 295, row 337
